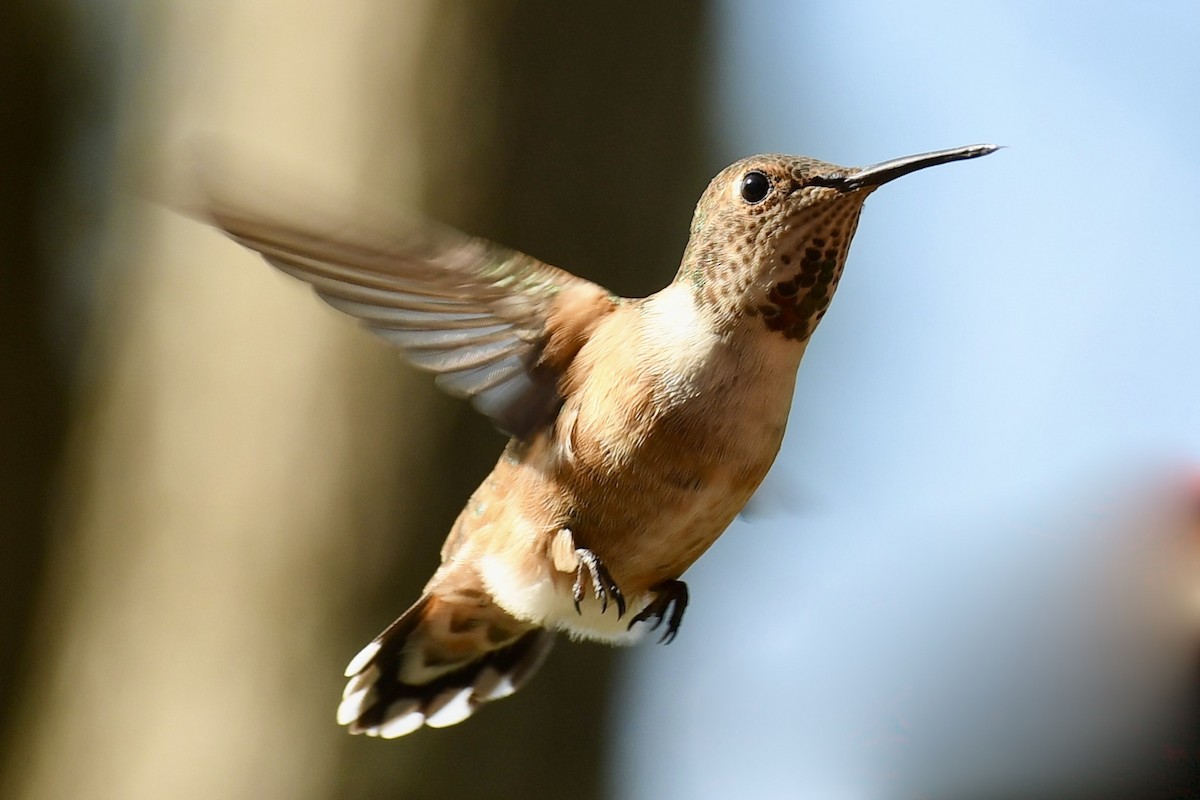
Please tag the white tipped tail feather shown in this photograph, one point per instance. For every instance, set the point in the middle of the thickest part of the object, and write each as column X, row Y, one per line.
column 436, row 664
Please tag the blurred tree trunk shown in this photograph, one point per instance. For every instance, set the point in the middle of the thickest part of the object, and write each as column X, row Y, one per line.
column 260, row 486
column 32, row 388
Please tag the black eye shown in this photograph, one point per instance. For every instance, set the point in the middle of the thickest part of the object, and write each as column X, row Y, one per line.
column 755, row 186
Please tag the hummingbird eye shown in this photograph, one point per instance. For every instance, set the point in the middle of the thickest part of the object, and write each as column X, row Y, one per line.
column 755, row 187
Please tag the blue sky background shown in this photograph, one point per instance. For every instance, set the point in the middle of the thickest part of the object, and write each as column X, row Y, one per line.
column 1013, row 346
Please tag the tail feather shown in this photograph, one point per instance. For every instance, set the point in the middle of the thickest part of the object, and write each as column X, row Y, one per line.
column 437, row 664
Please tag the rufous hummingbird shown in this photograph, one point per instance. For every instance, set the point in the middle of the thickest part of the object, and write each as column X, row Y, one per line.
column 640, row 427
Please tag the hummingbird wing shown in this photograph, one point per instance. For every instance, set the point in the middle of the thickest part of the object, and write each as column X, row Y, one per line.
column 496, row 325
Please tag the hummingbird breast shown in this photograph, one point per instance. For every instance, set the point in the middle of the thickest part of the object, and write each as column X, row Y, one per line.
column 670, row 431
column 666, row 430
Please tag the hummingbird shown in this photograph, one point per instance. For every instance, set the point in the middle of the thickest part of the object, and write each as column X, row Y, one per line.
column 639, row 427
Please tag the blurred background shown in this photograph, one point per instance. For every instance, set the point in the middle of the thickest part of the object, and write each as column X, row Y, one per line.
column 973, row 573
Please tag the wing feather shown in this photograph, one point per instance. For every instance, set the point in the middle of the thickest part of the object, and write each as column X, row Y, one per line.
column 478, row 314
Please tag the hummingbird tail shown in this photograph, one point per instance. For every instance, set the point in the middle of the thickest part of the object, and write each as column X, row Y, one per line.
column 437, row 663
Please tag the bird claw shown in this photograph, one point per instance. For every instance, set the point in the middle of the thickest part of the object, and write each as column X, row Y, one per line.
column 603, row 585
column 669, row 596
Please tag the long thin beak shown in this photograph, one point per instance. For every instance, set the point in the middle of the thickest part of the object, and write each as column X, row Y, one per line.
column 881, row 173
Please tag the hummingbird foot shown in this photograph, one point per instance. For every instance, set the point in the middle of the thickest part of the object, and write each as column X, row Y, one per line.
column 604, row 587
column 669, row 596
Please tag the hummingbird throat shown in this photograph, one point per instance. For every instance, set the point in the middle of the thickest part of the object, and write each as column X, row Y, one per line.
column 811, row 266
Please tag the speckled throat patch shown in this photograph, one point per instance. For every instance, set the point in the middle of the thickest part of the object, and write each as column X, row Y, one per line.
column 796, row 305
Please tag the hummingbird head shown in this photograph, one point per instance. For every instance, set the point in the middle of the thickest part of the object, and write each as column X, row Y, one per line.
column 771, row 233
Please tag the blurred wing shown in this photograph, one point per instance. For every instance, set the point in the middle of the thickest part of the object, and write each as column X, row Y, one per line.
column 498, row 326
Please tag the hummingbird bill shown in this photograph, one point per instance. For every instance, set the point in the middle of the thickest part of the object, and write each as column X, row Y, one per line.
column 639, row 427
